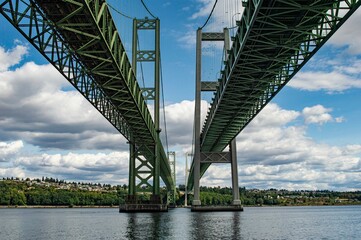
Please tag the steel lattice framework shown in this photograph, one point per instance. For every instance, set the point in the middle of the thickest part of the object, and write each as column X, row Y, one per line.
column 274, row 40
column 79, row 38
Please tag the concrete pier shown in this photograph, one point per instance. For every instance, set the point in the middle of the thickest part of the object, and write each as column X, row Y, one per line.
column 231, row 208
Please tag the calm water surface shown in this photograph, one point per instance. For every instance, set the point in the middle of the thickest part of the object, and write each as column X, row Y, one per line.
column 254, row 223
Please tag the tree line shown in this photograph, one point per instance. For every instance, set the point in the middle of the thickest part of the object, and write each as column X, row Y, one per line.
column 52, row 192
column 19, row 193
column 272, row 197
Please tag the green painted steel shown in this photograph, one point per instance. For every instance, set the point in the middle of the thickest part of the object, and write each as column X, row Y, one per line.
column 80, row 39
column 147, row 170
column 274, row 41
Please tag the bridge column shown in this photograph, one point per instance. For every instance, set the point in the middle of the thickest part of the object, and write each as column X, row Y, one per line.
column 132, row 186
column 156, row 177
column 204, row 157
column 145, row 157
column 197, row 121
column 234, row 169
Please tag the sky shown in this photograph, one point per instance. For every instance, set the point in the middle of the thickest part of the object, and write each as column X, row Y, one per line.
column 308, row 137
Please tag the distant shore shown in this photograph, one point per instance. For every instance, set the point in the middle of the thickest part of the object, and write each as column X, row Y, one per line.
column 41, row 206
column 116, row 206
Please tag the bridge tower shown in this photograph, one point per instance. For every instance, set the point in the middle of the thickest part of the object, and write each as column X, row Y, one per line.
column 144, row 176
column 211, row 157
column 173, row 192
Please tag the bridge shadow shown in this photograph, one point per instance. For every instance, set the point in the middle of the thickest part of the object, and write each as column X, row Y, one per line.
column 148, row 226
column 183, row 224
column 211, row 225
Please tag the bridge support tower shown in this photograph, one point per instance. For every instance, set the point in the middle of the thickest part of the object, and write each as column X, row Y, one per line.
column 211, row 157
column 171, row 200
column 144, row 162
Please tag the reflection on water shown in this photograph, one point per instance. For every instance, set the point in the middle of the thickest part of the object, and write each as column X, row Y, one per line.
column 147, row 225
column 212, row 225
column 183, row 224
column 253, row 223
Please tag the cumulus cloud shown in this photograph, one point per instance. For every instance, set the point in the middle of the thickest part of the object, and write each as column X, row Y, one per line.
column 338, row 68
column 103, row 167
column 11, row 57
column 329, row 81
column 7, row 150
column 349, row 34
column 12, row 172
column 34, row 108
column 282, row 155
column 180, row 118
column 317, row 114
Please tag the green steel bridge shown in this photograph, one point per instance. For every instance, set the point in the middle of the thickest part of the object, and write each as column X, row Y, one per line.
column 274, row 40
column 80, row 39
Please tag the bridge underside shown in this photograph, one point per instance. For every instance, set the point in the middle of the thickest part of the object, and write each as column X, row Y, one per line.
column 80, row 39
column 274, row 40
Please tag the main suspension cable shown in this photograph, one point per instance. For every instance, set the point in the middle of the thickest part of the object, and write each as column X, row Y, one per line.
column 214, row 6
column 117, row 11
column 146, row 8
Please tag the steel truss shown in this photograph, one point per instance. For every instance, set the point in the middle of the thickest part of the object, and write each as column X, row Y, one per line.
column 274, row 40
column 79, row 38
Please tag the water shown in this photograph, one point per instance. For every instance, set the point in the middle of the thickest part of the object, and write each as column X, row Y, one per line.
column 343, row 222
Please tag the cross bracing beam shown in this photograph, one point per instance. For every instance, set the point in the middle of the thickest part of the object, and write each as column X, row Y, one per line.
column 79, row 38
column 274, row 40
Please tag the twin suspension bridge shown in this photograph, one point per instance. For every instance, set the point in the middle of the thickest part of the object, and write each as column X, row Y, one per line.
column 272, row 41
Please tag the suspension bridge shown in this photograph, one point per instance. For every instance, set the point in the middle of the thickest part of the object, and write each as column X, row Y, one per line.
column 273, row 41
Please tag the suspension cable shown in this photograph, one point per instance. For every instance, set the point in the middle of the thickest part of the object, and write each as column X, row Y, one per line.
column 146, row 8
column 214, row 5
column 117, row 11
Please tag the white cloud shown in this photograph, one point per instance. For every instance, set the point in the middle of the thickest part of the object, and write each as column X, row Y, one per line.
column 180, row 118
column 34, row 108
column 317, row 114
column 282, row 155
column 332, row 81
column 275, row 116
column 338, row 69
column 349, row 34
column 7, row 150
column 102, row 167
column 11, row 57
column 12, row 172
column 204, row 10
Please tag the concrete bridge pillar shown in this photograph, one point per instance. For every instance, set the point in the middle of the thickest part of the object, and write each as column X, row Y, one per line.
column 197, row 121
column 234, row 169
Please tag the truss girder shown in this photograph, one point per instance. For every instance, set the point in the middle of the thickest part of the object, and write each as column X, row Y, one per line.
column 273, row 42
column 79, row 38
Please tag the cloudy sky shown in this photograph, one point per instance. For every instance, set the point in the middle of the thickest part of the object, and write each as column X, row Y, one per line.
column 308, row 137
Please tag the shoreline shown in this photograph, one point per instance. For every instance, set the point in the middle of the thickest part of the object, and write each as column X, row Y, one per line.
column 64, row 206
column 116, row 206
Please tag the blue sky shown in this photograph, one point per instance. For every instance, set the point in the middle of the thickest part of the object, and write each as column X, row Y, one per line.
column 307, row 138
